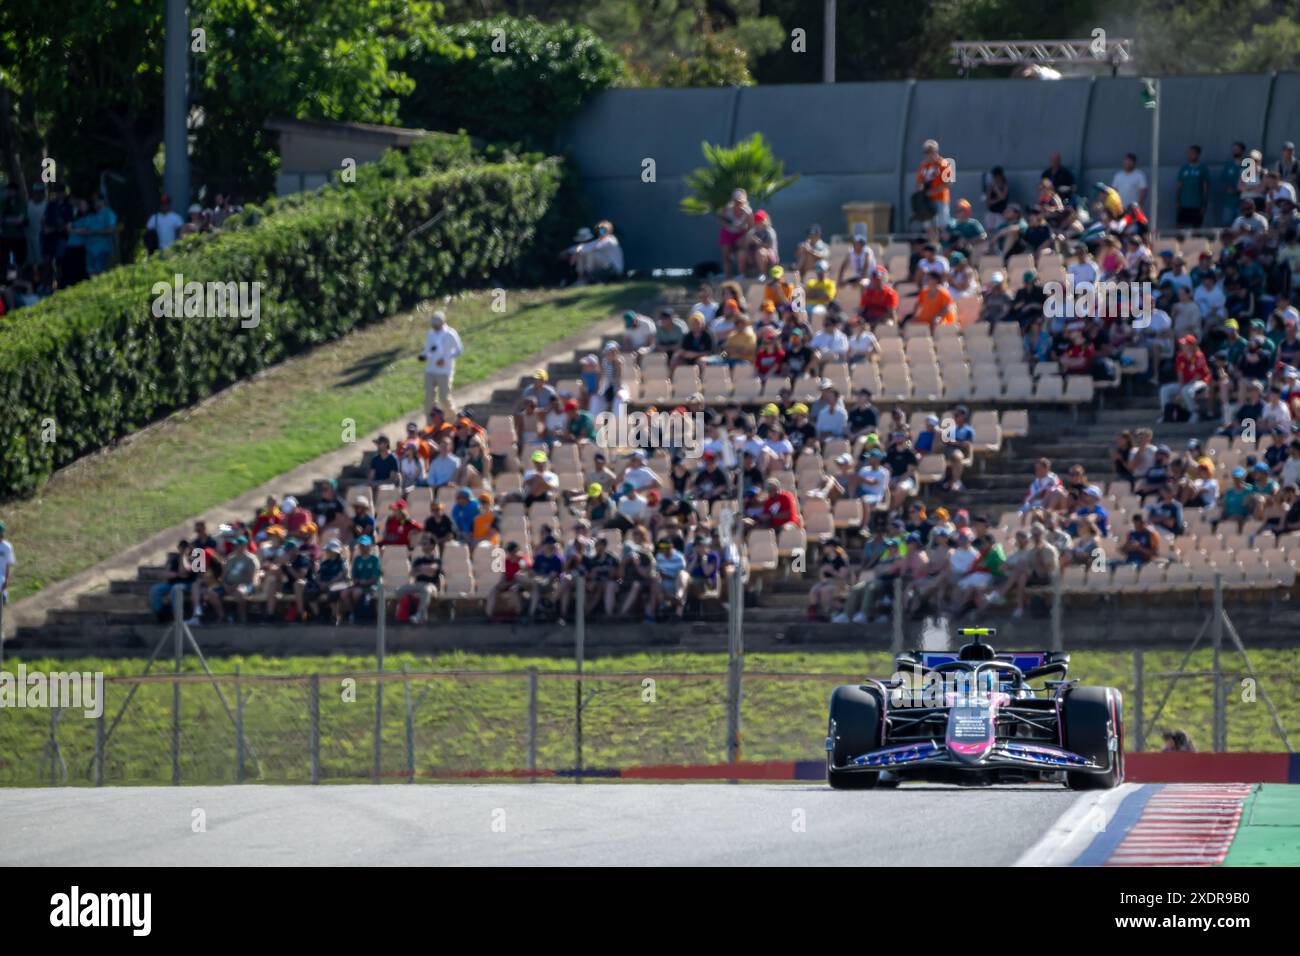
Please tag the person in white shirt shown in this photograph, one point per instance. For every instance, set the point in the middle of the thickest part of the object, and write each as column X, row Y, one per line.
column 858, row 264
column 707, row 306
column 638, row 332
column 875, row 478
column 639, row 475
column 1276, row 413
column 1130, row 182
column 601, row 258
column 1291, row 469
column 441, row 349
column 1210, row 298
column 830, row 344
column 863, row 344
column 165, row 223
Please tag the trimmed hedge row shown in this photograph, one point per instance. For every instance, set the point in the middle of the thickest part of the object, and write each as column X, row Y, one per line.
column 94, row 363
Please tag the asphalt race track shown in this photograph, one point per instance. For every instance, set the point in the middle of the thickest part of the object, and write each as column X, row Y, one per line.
column 544, row 824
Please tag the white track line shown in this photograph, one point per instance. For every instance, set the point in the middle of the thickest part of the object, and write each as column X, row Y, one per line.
column 1075, row 829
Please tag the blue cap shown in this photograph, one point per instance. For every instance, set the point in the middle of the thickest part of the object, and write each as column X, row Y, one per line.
column 365, row 539
column 1239, row 472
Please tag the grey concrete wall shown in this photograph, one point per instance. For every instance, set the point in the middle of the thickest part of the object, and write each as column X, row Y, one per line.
column 862, row 141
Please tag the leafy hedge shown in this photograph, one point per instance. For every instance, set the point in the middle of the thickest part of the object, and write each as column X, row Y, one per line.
column 95, row 360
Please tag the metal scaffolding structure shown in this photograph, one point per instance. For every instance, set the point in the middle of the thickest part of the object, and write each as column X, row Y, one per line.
column 1096, row 50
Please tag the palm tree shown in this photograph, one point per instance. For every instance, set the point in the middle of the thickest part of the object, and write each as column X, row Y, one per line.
column 749, row 165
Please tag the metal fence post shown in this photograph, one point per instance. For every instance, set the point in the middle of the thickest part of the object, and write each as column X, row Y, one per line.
column 1058, row 638
column 1139, row 691
column 532, row 714
column 313, row 706
column 579, row 653
column 99, row 748
column 239, row 728
column 735, row 660
column 379, row 684
column 410, row 726
column 178, row 603
column 1216, row 636
column 53, row 746
column 2, row 631
column 896, row 641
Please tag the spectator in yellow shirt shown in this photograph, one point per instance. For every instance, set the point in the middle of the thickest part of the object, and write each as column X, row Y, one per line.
column 741, row 343
column 821, row 288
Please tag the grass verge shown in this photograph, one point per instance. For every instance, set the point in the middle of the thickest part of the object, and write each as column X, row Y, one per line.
column 662, row 708
column 248, row 434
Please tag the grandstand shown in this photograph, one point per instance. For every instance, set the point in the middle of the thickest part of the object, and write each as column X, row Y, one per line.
column 1019, row 411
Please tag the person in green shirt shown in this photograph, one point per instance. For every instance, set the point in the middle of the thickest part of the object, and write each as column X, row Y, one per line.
column 366, row 573
column 964, row 231
column 1192, row 190
column 1236, row 500
column 581, row 425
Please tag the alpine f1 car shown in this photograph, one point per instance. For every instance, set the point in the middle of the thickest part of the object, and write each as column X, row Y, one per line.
column 976, row 718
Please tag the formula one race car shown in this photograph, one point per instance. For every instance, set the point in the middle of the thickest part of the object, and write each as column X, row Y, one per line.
column 974, row 718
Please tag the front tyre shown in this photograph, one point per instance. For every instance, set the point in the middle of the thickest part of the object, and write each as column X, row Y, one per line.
column 853, row 729
column 1094, row 728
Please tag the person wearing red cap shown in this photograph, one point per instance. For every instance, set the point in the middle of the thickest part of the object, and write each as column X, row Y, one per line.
column 400, row 529
column 164, row 224
column 759, row 248
column 581, row 426
column 1192, row 372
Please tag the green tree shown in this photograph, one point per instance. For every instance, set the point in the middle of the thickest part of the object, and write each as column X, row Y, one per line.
column 1209, row 36
column 507, row 80
column 749, row 165
column 85, row 82
column 663, row 42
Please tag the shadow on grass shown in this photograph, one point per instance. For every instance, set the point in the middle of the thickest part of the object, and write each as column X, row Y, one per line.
column 368, row 368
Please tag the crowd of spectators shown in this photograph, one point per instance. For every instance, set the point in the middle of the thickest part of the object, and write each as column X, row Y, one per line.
column 52, row 238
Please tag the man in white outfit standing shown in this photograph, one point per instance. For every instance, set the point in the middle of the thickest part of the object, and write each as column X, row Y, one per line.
column 441, row 348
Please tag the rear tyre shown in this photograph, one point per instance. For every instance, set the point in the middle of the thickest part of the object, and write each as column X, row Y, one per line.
column 854, row 729
column 1094, row 728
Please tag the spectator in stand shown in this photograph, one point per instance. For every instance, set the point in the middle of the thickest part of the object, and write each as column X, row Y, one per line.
column 821, row 289
column 1166, row 513
column 879, row 301
column 740, row 347
column 933, row 177
column 734, row 221
column 384, row 466
column 1249, row 226
column 997, row 301
column 639, row 333
column 1192, row 191
column 997, row 193
column 669, row 334
column 759, row 249
column 696, row 345
column 1046, row 491
column 1193, row 379
column 1009, row 238
column 674, row 579
column 1079, row 357
column 442, row 346
column 1059, row 176
column 859, row 263
column 514, row 585
column 1142, row 545
column 965, row 233
column 963, row 281
column 810, row 252
column 830, row 345
column 1130, row 182
column 934, row 304
column 598, row 257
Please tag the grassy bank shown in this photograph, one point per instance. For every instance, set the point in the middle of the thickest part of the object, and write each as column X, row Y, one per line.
column 638, row 709
column 252, row 432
